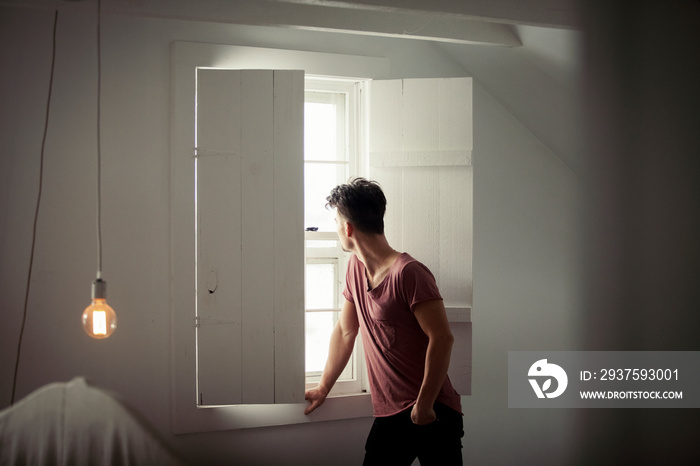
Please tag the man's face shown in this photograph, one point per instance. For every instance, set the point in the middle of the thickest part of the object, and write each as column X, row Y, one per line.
column 340, row 224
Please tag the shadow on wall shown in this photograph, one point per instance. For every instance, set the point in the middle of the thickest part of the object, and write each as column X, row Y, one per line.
column 642, row 211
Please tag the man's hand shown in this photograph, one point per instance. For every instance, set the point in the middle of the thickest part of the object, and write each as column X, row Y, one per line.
column 316, row 396
column 422, row 416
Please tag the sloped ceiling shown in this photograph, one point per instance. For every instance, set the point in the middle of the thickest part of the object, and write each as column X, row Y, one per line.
column 538, row 83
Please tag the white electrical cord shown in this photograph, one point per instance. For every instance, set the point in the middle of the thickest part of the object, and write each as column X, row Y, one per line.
column 99, row 144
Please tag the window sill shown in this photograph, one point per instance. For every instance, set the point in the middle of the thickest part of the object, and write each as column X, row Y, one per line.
column 458, row 314
column 232, row 417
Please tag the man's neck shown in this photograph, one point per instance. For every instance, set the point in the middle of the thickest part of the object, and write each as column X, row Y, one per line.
column 377, row 256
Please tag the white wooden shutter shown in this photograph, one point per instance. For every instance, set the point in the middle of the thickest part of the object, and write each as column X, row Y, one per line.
column 250, row 259
column 420, row 152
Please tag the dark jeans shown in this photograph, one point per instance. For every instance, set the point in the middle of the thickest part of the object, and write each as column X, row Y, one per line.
column 396, row 440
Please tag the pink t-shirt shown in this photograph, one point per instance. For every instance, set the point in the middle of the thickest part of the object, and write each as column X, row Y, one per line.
column 394, row 343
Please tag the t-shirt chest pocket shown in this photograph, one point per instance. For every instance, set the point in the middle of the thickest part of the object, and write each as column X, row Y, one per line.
column 382, row 326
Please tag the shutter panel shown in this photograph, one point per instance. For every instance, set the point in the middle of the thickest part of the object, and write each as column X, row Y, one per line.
column 250, row 268
column 420, row 152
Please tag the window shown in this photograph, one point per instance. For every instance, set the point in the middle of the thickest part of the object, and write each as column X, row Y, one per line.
column 420, row 153
column 332, row 143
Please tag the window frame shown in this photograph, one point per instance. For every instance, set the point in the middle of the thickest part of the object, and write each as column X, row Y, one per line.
column 187, row 416
column 353, row 143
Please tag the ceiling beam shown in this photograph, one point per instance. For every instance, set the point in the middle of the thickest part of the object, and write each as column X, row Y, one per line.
column 421, row 25
column 308, row 15
column 564, row 14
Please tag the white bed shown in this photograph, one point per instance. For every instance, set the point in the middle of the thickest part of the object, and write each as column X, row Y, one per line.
column 75, row 424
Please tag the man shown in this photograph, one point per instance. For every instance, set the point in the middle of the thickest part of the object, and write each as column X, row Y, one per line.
column 394, row 302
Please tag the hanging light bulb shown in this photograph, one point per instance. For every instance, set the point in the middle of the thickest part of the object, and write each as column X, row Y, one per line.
column 99, row 319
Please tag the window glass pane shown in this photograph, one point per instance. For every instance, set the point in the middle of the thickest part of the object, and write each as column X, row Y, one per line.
column 321, row 285
column 319, row 326
column 320, row 138
column 319, row 179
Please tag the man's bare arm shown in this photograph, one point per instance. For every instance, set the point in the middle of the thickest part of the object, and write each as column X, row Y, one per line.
column 340, row 350
column 432, row 318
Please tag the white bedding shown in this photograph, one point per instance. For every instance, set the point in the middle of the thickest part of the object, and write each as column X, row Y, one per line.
column 75, row 424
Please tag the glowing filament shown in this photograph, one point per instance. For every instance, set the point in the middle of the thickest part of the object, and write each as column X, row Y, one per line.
column 99, row 323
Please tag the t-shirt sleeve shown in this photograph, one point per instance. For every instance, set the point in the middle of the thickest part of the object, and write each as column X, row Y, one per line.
column 347, row 293
column 418, row 285
column 349, row 277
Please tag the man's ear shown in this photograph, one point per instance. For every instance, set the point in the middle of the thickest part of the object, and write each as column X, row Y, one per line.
column 349, row 229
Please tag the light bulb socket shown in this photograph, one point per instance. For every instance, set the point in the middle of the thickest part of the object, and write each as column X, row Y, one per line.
column 99, row 289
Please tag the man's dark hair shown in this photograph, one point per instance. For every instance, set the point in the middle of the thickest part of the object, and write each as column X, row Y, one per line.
column 362, row 203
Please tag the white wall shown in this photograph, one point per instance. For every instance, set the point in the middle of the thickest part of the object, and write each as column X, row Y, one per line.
column 525, row 211
column 523, row 204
